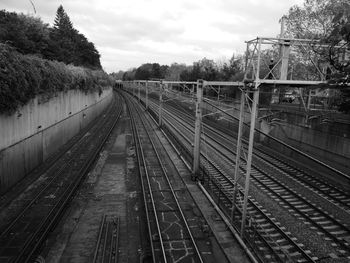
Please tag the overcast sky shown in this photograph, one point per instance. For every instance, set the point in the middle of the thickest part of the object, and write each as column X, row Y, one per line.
column 128, row 33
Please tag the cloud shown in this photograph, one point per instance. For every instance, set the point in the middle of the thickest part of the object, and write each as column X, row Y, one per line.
column 130, row 33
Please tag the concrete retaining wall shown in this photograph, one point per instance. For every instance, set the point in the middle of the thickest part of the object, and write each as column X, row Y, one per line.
column 329, row 148
column 38, row 129
column 332, row 149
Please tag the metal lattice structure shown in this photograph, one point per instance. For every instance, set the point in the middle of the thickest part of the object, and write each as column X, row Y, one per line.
column 269, row 61
column 278, row 64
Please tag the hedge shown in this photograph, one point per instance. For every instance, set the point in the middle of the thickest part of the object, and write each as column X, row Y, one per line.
column 22, row 77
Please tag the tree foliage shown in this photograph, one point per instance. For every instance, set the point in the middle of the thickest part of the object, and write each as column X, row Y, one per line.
column 312, row 20
column 29, row 35
column 62, row 22
column 71, row 47
column 174, row 71
column 340, row 58
column 22, row 77
column 329, row 22
column 339, row 39
column 62, row 42
column 151, row 71
column 231, row 70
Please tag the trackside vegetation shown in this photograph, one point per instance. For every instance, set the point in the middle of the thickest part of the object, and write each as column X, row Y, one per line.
column 22, row 77
column 36, row 59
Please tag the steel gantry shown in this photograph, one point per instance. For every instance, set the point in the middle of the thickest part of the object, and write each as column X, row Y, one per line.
column 279, row 74
column 259, row 71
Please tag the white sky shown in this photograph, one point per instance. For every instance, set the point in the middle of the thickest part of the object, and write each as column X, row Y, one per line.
column 128, row 33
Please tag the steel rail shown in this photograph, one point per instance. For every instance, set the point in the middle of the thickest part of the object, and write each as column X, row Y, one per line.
column 172, row 191
column 262, row 238
column 305, row 255
column 58, row 173
column 341, row 243
column 54, row 170
column 258, row 154
column 275, row 160
column 233, row 230
column 287, row 145
column 217, row 129
column 116, row 247
column 33, row 243
column 47, row 166
column 143, row 159
column 98, row 241
column 109, row 249
column 290, row 191
column 138, row 155
column 297, row 196
column 225, row 177
column 306, row 177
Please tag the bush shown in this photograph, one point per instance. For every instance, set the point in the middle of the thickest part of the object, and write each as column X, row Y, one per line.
column 22, row 77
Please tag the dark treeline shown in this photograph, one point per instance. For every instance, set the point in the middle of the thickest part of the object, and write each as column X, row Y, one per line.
column 34, row 58
column 231, row 70
column 62, row 42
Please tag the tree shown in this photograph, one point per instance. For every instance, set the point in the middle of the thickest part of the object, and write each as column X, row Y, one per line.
column 85, row 53
column 174, row 71
column 231, row 70
column 130, row 74
column 339, row 54
column 192, row 73
column 144, row 72
column 155, row 72
column 151, row 71
column 324, row 20
column 69, row 46
column 313, row 20
column 29, row 35
column 339, row 39
column 62, row 22
column 163, row 71
column 329, row 22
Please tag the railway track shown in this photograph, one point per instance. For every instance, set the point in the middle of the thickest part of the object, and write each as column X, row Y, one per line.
column 23, row 236
column 107, row 244
column 269, row 241
column 266, row 175
column 303, row 176
column 334, row 230
column 222, row 185
column 170, row 235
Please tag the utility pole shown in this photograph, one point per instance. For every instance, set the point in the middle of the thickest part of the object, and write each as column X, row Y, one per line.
column 146, row 95
column 284, row 51
column 250, row 157
column 238, row 153
column 253, row 116
column 197, row 130
column 160, row 113
column 139, row 91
